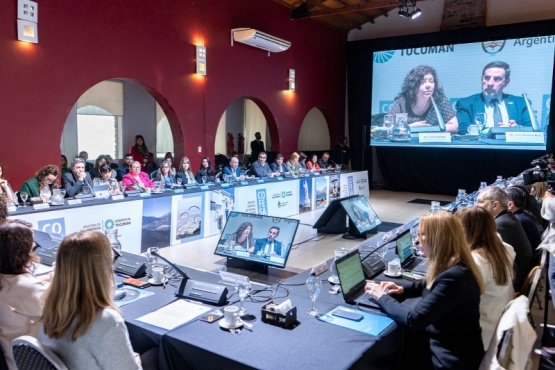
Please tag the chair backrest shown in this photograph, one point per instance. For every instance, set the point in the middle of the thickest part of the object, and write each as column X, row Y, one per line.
column 543, row 258
column 531, row 283
column 29, row 354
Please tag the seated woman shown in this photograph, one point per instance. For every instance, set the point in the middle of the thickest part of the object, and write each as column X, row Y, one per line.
column 20, row 292
column 450, row 306
column 169, row 158
column 185, row 173
column 136, row 180
column 106, row 178
column 205, row 173
column 242, row 236
column 494, row 261
column 312, row 164
column 99, row 162
column 293, row 163
column 81, row 322
column 164, row 175
column 420, row 87
column 5, row 188
column 65, row 168
column 46, row 176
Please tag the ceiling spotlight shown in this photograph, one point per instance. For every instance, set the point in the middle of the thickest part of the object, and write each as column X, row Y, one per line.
column 403, row 12
column 415, row 13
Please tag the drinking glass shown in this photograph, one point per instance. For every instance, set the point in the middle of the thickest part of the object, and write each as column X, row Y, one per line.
column 480, row 120
column 243, row 288
column 24, row 196
column 152, row 259
column 339, row 252
column 313, row 287
column 381, row 251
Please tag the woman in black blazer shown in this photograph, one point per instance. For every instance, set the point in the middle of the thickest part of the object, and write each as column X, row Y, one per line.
column 450, row 306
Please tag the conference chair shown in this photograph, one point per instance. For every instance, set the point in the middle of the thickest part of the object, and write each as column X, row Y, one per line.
column 513, row 340
column 530, row 289
column 29, row 354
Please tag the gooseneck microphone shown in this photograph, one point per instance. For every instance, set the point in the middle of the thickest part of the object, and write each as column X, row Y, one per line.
column 205, row 292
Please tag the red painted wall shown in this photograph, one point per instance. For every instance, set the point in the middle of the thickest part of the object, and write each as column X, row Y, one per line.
column 152, row 41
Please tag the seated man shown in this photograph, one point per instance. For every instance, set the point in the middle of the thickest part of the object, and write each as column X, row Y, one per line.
column 278, row 166
column 519, row 205
column 125, row 168
column 77, row 181
column 268, row 246
column 261, row 168
column 495, row 200
column 325, row 162
column 233, row 169
column 502, row 110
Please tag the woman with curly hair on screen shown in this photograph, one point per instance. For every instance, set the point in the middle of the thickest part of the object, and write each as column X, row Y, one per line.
column 419, row 88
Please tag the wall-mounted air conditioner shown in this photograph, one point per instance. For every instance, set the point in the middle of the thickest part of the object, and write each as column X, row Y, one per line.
column 259, row 39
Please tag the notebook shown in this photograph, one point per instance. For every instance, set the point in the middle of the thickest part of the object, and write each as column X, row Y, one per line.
column 409, row 261
column 352, row 281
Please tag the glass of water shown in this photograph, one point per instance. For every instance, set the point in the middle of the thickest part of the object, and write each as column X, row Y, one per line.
column 313, row 287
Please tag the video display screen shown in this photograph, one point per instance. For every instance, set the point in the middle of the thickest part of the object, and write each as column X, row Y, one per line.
column 257, row 238
column 490, row 94
column 361, row 213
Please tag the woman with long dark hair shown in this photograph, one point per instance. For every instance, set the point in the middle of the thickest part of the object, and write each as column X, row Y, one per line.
column 420, row 89
column 243, row 236
column 205, row 173
column 140, row 153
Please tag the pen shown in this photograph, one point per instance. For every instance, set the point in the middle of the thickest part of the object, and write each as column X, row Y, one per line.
column 123, row 275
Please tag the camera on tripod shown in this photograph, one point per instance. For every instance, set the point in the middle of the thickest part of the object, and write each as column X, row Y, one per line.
column 541, row 171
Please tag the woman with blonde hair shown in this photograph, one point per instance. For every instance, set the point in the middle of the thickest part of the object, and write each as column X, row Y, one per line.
column 449, row 308
column 185, row 173
column 80, row 321
column 495, row 261
column 293, row 162
column 20, row 291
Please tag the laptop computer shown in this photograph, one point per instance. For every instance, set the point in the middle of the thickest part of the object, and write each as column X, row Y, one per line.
column 101, row 191
column 409, row 261
column 352, row 281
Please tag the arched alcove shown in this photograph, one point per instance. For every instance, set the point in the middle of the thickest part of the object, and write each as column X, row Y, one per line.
column 245, row 116
column 314, row 134
column 106, row 118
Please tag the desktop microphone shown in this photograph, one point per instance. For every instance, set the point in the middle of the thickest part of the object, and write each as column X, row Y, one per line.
column 535, row 125
column 373, row 266
column 440, row 120
column 205, row 292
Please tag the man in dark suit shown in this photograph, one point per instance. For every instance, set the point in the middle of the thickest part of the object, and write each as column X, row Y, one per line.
column 268, row 246
column 502, row 110
column 496, row 201
column 257, row 146
column 125, row 167
column 78, row 181
column 261, row 168
column 233, row 169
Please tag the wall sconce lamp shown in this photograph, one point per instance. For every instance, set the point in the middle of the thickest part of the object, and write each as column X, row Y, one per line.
column 404, row 9
column 201, row 60
column 291, row 80
column 27, row 21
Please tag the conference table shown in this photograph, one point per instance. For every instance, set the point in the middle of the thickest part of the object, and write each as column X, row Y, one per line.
column 309, row 343
column 182, row 215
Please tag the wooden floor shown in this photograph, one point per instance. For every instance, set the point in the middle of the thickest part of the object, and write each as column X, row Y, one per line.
column 311, row 248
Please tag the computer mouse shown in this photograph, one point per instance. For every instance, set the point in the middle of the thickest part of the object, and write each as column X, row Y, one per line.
column 119, row 294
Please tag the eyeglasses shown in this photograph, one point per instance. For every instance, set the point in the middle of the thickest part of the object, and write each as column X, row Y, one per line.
column 480, row 201
column 136, row 168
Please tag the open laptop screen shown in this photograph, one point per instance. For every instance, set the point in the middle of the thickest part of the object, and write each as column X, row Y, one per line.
column 404, row 247
column 350, row 272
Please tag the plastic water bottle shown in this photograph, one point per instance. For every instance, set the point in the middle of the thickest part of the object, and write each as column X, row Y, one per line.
column 483, row 185
column 461, row 197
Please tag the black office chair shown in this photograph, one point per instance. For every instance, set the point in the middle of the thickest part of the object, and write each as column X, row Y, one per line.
column 29, row 354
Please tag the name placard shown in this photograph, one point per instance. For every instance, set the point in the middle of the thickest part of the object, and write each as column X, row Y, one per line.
column 224, row 185
column 434, row 137
column 260, row 181
column 41, row 206
column 204, row 187
column 178, row 191
column 295, row 176
column 12, row 208
column 144, row 195
column 524, row 137
column 118, row 197
column 316, row 173
column 280, row 178
column 319, row 268
column 243, row 183
column 73, row 201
